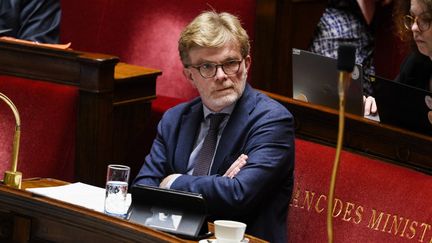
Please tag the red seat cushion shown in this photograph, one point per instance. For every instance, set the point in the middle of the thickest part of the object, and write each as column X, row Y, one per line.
column 163, row 103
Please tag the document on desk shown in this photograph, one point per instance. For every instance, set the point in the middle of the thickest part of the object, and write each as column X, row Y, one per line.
column 80, row 194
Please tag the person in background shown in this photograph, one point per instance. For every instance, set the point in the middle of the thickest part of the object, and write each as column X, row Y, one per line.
column 249, row 177
column 32, row 20
column 413, row 22
column 413, row 19
column 350, row 21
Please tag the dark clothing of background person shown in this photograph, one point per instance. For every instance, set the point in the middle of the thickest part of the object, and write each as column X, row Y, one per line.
column 347, row 5
column 416, row 71
column 32, row 20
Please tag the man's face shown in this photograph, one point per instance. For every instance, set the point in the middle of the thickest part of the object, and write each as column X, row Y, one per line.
column 221, row 90
column 423, row 38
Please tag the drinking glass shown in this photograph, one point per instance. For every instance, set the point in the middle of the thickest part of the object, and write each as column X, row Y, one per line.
column 116, row 190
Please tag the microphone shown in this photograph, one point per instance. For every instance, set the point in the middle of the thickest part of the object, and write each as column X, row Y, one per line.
column 345, row 65
column 13, row 177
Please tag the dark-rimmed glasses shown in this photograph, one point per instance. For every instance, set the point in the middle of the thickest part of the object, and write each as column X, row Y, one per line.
column 209, row 70
column 422, row 23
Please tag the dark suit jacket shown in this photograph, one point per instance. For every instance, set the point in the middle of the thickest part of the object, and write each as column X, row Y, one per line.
column 259, row 195
column 33, row 20
column 416, row 71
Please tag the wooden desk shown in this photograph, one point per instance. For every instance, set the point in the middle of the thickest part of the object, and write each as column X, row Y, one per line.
column 362, row 135
column 27, row 217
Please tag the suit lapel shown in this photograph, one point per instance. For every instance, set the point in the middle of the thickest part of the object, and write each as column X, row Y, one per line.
column 234, row 128
column 187, row 133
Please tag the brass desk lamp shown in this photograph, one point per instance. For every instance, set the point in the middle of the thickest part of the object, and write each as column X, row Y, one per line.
column 13, row 177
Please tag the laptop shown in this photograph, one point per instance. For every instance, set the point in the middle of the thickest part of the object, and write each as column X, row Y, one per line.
column 315, row 80
column 180, row 213
column 403, row 105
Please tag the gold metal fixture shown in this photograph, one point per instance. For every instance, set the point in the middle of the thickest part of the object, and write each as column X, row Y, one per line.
column 344, row 80
column 13, row 177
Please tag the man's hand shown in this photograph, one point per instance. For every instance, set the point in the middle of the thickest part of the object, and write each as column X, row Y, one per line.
column 234, row 169
column 167, row 181
column 231, row 172
column 370, row 107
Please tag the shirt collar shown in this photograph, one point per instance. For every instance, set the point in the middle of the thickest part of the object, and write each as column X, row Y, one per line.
column 227, row 110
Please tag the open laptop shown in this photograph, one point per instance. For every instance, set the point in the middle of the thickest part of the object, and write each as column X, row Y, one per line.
column 180, row 213
column 315, row 80
column 403, row 105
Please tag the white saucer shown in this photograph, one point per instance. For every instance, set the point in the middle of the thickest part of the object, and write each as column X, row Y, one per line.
column 245, row 240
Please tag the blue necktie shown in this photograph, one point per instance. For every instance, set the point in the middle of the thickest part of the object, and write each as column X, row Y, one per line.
column 205, row 155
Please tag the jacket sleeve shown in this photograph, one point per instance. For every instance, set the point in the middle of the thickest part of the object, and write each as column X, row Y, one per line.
column 156, row 166
column 269, row 144
column 40, row 21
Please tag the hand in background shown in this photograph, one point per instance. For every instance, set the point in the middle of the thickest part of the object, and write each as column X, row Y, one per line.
column 234, row 169
column 370, row 107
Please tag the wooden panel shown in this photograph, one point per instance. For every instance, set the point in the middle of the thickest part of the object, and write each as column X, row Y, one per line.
column 362, row 135
column 280, row 26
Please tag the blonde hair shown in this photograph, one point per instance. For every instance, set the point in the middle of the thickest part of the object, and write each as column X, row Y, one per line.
column 213, row 30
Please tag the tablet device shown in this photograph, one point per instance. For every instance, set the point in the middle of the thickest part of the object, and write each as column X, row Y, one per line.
column 180, row 213
column 403, row 105
column 315, row 80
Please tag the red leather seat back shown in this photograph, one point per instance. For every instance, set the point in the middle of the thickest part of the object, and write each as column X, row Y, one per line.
column 143, row 32
column 48, row 115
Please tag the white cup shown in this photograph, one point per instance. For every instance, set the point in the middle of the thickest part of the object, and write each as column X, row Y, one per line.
column 227, row 231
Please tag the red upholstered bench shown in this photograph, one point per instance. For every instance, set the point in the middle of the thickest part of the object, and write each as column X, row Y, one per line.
column 48, row 113
column 375, row 201
column 90, row 102
column 143, row 32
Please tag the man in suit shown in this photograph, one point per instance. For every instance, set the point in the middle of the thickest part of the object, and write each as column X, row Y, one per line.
column 250, row 175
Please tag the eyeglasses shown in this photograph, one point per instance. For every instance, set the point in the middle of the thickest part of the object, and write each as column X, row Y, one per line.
column 209, row 70
column 422, row 23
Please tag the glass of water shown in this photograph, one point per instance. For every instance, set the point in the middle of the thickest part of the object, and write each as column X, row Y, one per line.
column 116, row 190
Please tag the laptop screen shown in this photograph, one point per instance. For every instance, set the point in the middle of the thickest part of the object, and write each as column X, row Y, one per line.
column 315, row 80
column 403, row 105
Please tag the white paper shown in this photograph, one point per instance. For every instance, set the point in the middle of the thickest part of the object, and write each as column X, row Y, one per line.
column 80, row 194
